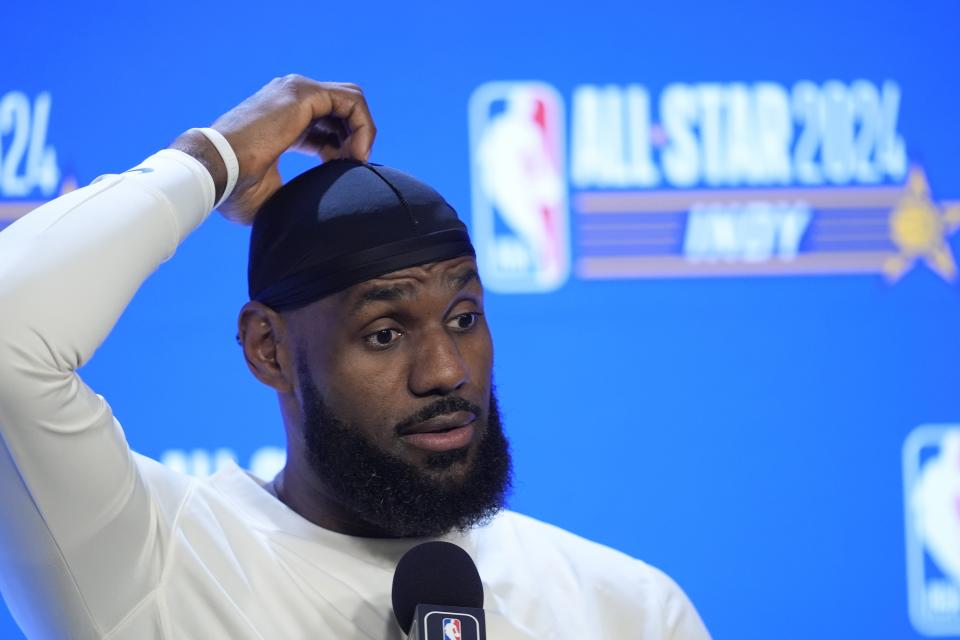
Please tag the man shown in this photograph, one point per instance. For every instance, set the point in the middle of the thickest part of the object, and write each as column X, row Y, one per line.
column 366, row 316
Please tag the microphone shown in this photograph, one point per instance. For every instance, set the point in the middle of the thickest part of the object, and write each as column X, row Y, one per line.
column 437, row 594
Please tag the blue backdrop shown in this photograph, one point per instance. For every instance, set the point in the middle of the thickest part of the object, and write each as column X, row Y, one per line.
column 728, row 400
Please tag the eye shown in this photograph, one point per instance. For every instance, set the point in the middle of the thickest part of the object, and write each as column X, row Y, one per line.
column 464, row 321
column 383, row 338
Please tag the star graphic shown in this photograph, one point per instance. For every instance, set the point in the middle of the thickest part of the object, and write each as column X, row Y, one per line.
column 920, row 229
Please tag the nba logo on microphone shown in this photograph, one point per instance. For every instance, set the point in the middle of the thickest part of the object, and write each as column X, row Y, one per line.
column 931, row 481
column 520, row 214
column 451, row 629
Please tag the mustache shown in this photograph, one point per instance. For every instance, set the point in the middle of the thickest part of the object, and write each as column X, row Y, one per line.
column 443, row 406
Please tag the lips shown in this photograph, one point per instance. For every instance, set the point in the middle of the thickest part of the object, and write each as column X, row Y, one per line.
column 441, row 433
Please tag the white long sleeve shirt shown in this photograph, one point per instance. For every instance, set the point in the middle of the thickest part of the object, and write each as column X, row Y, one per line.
column 99, row 542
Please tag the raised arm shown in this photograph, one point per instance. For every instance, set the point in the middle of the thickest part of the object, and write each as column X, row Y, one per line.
column 81, row 535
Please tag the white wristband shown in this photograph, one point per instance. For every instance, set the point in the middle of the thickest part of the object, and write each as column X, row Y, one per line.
column 229, row 159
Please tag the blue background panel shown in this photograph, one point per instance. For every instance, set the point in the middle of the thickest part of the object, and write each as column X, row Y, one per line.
column 743, row 433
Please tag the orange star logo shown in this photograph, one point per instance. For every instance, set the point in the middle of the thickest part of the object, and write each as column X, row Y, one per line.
column 920, row 230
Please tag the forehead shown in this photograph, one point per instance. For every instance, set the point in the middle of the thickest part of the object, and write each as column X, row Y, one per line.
column 442, row 271
column 453, row 275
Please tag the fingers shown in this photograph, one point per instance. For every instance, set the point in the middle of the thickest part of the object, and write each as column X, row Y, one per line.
column 323, row 133
column 293, row 112
column 347, row 102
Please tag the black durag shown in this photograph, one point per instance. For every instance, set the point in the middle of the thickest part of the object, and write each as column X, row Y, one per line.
column 344, row 222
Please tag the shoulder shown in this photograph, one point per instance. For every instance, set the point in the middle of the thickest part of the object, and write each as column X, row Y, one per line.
column 544, row 542
column 615, row 583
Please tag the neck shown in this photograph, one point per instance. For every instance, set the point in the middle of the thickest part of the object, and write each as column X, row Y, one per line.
column 310, row 499
column 302, row 491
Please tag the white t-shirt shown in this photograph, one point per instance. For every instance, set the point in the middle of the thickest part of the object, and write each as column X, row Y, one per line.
column 99, row 542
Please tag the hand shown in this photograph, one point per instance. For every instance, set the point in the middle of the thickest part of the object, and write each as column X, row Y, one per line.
column 290, row 113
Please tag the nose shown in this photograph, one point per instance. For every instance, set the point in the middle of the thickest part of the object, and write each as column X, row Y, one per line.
column 438, row 367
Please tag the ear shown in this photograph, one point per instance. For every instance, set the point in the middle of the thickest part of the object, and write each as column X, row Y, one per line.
column 262, row 333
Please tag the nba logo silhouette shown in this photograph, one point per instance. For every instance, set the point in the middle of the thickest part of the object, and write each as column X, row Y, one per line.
column 520, row 215
column 451, row 629
column 931, row 482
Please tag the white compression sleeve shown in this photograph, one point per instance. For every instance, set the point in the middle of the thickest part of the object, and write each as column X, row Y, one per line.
column 79, row 535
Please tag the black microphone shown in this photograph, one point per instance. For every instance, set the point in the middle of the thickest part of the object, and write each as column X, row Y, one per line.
column 437, row 594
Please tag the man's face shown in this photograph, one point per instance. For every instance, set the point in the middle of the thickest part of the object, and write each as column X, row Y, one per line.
column 394, row 382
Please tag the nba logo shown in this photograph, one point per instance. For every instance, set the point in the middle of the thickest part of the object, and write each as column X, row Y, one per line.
column 931, row 480
column 520, row 216
column 451, row 629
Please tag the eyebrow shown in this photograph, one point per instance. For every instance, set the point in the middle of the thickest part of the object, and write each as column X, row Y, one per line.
column 382, row 294
column 459, row 281
column 400, row 291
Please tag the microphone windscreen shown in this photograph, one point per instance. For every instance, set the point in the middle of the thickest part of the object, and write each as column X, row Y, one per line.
column 434, row 573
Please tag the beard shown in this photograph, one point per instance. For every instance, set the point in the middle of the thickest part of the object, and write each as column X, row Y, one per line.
column 395, row 496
